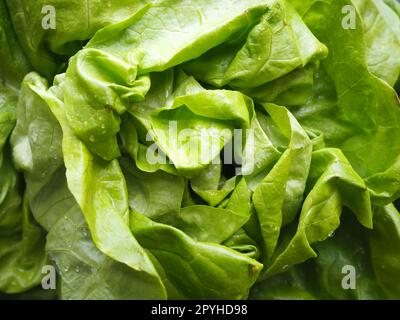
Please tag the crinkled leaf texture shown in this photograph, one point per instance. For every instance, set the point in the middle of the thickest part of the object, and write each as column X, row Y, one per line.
column 285, row 173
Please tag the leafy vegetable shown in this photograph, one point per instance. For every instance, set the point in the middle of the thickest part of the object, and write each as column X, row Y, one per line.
column 181, row 149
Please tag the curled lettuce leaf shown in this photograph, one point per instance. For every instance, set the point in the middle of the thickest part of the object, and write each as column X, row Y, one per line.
column 120, row 56
column 200, row 149
column 22, row 240
column 381, row 25
column 358, row 112
column 100, row 187
column 277, row 45
column 75, row 22
column 335, row 185
column 385, row 241
column 279, row 195
column 13, row 62
column 193, row 269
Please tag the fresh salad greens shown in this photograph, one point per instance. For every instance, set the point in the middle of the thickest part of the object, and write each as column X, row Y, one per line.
column 182, row 149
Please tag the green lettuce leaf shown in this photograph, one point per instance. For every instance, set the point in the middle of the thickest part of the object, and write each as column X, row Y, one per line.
column 278, row 197
column 335, row 185
column 357, row 112
column 119, row 59
column 277, row 45
column 100, row 190
column 47, row 46
column 22, row 241
column 385, row 241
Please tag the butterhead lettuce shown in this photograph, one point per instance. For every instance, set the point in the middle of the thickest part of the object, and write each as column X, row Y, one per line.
column 181, row 149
